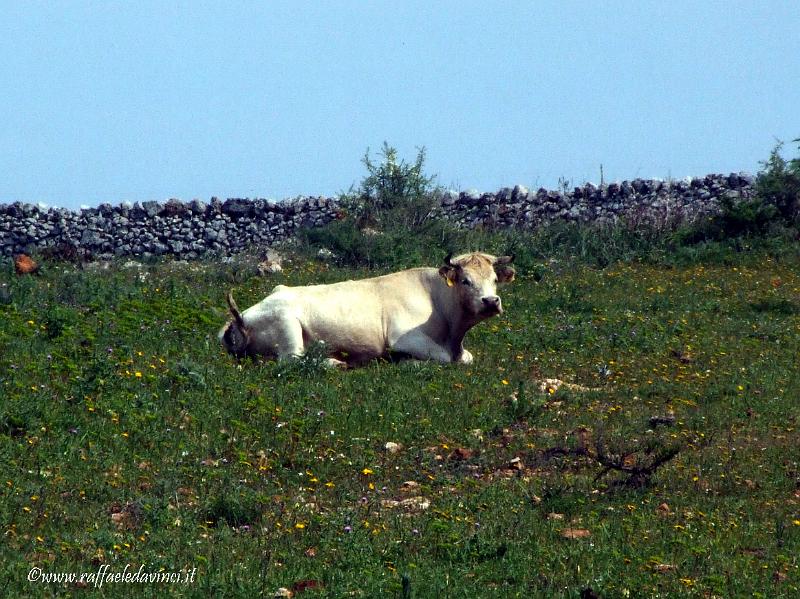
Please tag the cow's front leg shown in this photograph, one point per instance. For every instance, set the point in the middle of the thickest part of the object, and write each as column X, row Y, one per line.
column 283, row 337
column 418, row 345
column 465, row 357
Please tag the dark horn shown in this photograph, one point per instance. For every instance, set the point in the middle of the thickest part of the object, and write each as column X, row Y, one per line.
column 234, row 309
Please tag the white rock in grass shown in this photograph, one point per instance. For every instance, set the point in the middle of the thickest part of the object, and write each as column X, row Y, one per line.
column 268, row 267
column 411, row 504
column 393, row 447
column 409, row 486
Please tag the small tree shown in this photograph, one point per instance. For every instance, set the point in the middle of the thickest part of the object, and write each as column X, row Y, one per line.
column 393, row 190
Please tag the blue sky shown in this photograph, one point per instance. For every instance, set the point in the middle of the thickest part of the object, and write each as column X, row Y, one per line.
column 113, row 101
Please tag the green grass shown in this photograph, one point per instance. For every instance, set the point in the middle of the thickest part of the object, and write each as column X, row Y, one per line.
column 127, row 436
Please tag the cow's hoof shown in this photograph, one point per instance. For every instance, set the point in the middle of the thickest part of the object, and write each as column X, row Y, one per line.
column 334, row 363
column 466, row 357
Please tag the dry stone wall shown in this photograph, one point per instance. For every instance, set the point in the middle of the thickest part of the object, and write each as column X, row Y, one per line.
column 189, row 230
column 184, row 230
column 638, row 201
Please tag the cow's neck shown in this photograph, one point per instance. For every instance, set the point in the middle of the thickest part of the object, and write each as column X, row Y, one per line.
column 457, row 330
column 457, row 324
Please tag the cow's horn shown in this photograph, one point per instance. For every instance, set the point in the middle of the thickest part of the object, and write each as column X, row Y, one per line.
column 234, row 309
column 449, row 259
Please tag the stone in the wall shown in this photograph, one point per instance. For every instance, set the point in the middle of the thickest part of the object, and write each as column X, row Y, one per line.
column 505, row 194
column 470, row 197
column 197, row 207
column 449, row 198
column 237, row 208
column 174, row 207
column 151, row 208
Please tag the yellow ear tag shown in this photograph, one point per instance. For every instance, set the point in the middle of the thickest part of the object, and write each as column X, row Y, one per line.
column 449, row 282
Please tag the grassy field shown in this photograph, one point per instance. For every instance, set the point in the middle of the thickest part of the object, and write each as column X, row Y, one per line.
column 129, row 438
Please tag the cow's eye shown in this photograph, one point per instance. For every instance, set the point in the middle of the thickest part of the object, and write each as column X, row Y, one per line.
column 467, row 282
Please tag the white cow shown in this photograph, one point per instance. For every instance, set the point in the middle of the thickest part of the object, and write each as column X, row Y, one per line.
column 423, row 313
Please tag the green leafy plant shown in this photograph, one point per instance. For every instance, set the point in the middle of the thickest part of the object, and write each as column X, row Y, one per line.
column 394, row 199
column 394, row 191
column 776, row 205
column 778, row 184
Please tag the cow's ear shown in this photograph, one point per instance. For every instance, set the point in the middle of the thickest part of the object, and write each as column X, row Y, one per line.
column 449, row 274
column 504, row 259
column 505, row 274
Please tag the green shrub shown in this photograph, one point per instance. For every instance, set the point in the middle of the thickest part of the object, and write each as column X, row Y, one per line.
column 774, row 208
column 737, row 218
column 393, row 202
column 778, row 185
column 393, row 192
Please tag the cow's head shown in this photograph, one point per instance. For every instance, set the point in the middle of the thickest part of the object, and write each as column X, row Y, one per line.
column 235, row 335
column 474, row 278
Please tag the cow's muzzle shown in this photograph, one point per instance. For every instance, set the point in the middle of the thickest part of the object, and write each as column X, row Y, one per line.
column 492, row 305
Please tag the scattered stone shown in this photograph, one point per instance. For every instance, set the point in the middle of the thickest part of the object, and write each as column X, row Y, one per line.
column 411, row 504
column 552, row 385
column 392, row 447
column 325, row 255
column 409, row 486
column 575, row 533
column 126, row 517
column 460, row 453
column 668, row 420
column 663, row 568
column 268, row 267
